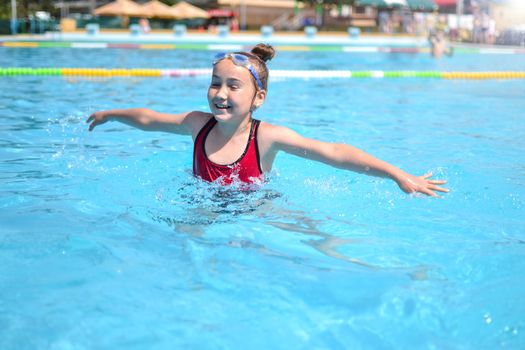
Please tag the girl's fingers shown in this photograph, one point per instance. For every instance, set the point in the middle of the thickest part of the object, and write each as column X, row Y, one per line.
column 432, row 183
column 92, row 125
column 440, row 189
column 428, row 192
column 437, row 182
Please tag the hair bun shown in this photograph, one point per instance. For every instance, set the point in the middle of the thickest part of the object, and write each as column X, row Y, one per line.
column 264, row 51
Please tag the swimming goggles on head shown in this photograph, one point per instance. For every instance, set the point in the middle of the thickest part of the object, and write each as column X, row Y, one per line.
column 239, row 60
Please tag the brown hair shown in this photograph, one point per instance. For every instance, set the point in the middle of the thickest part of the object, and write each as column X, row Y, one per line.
column 258, row 56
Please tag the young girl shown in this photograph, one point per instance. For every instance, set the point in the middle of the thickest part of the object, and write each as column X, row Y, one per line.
column 229, row 144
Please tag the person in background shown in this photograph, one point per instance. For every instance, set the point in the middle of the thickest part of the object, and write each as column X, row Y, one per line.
column 439, row 45
column 234, row 24
column 492, row 32
column 384, row 20
column 144, row 25
column 407, row 22
column 485, row 27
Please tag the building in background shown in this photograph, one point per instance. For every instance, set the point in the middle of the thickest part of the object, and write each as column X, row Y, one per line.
column 508, row 14
column 281, row 14
column 481, row 21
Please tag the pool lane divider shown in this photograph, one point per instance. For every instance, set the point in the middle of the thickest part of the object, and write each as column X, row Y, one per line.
column 304, row 74
column 239, row 47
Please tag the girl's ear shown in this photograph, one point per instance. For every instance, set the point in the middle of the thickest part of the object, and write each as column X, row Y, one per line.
column 260, row 96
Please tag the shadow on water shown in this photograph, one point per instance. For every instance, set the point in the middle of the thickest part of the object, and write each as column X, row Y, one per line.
column 195, row 207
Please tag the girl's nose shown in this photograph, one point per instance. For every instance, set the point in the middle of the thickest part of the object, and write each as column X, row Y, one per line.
column 222, row 92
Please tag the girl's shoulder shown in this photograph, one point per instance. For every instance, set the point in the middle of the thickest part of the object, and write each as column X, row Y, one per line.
column 198, row 117
column 273, row 132
column 196, row 121
column 275, row 136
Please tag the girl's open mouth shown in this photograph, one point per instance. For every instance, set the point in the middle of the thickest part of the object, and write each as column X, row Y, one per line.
column 221, row 106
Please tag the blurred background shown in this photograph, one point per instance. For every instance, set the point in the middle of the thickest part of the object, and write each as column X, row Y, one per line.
column 470, row 21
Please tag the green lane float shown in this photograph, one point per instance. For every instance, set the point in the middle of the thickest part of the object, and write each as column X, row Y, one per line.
column 151, row 73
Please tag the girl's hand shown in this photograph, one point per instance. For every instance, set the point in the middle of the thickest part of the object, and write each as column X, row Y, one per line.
column 96, row 118
column 422, row 184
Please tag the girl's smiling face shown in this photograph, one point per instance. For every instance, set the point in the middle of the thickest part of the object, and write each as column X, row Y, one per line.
column 232, row 92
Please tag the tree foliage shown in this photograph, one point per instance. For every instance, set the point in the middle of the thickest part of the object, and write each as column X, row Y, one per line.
column 25, row 8
column 169, row 2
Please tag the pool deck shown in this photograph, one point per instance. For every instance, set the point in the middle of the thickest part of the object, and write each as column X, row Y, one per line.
column 236, row 41
column 248, row 38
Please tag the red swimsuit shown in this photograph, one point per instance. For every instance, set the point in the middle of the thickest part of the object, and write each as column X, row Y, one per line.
column 246, row 169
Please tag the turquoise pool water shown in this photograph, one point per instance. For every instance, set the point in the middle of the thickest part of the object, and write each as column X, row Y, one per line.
column 107, row 241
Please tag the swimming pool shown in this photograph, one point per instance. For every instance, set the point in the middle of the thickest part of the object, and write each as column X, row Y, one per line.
column 107, row 241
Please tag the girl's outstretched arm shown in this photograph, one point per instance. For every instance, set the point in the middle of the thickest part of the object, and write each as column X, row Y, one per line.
column 149, row 120
column 350, row 158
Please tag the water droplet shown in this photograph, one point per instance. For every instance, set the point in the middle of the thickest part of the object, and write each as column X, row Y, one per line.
column 488, row 318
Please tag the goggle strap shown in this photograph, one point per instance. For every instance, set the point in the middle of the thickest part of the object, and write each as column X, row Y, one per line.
column 256, row 76
column 239, row 60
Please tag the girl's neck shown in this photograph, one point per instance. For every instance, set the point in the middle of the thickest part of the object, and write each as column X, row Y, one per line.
column 229, row 130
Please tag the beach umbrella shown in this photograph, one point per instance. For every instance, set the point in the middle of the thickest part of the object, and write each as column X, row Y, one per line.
column 220, row 13
column 396, row 2
column 157, row 9
column 124, row 8
column 186, row 10
column 424, row 5
column 445, row 2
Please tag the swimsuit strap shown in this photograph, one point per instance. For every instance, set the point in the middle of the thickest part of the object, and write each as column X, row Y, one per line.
column 255, row 125
column 208, row 126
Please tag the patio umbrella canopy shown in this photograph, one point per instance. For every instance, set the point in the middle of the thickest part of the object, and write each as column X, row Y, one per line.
column 396, row 2
column 280, row 4
column 157, row 9
column 186, row 10
column 125, row 8
column 424, row 5
column 446, row 2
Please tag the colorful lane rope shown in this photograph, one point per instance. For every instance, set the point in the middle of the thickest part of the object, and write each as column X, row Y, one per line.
column 137, row 72
column 238, row 47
